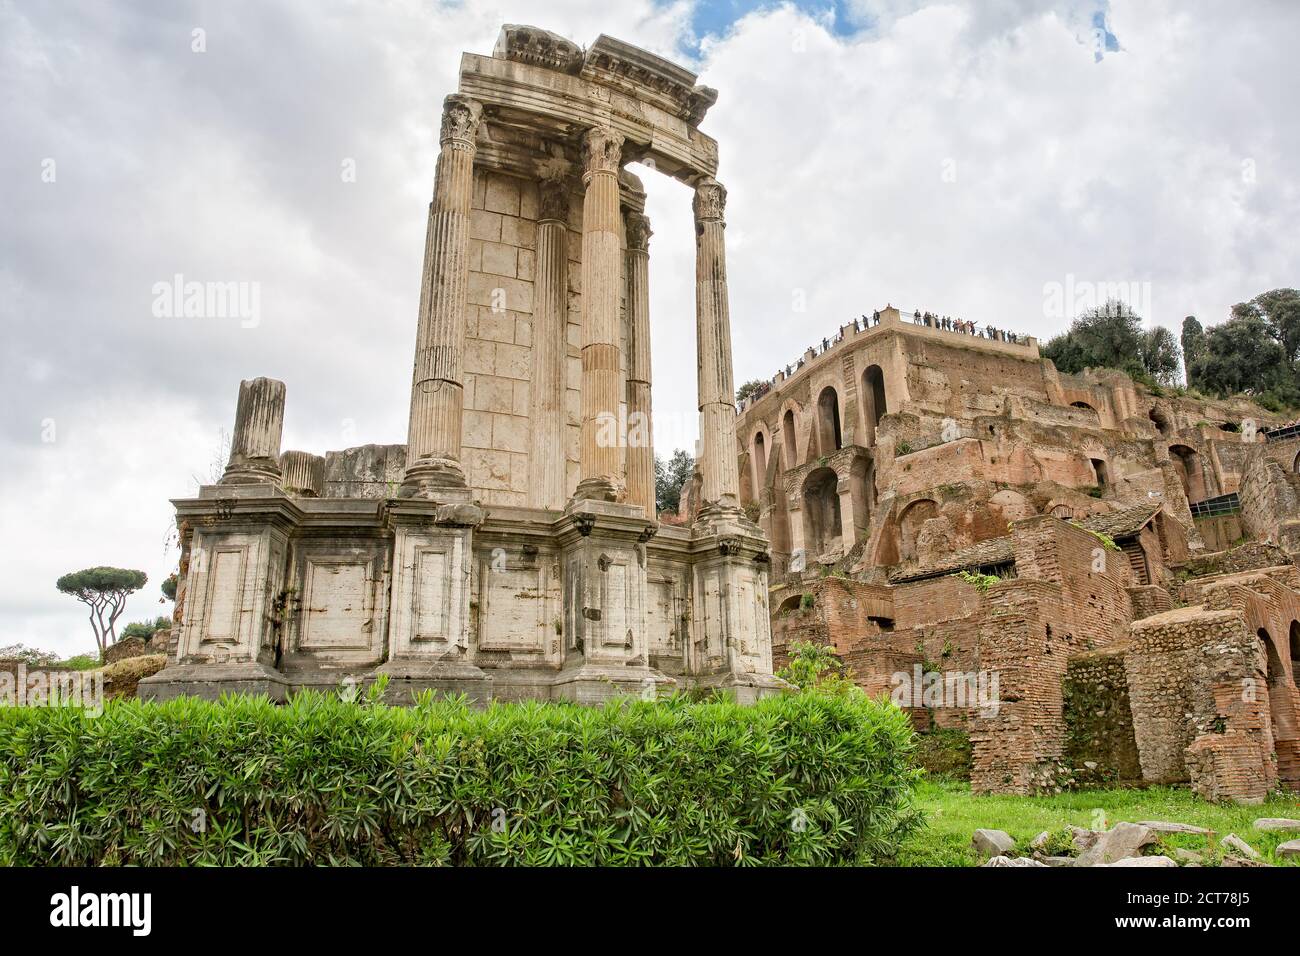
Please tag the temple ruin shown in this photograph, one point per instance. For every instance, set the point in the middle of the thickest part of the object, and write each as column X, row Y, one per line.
column 1094, row 580
column 510, row 549
column 1115, row 563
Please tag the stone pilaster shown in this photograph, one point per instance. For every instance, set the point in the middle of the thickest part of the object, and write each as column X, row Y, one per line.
column 550, row 319
column 602, row 265
column 437, row 393
column 713, row 349
column 255, row 443
column 640, row 450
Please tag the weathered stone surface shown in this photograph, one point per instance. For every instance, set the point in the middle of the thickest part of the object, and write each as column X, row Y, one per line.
column 1277, row 823
column 1235, row 844
column 1012, row 861
column 992, row 842
column 1142, row 861
column 511, row 548
column 1120, row 842
column 1160, row 826
column 1288, row 849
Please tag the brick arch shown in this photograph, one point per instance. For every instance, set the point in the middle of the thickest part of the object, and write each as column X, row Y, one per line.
column 822, row 522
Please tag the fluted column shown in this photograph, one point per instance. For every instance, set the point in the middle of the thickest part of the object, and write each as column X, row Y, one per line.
column 255, row 442
column 602, row 262
column 303, row 474
column 640, row 445
column 713, row 350
column 437, row 393
column 550, row 319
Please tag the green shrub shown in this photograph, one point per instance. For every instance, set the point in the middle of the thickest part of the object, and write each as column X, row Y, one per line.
column 797, row 779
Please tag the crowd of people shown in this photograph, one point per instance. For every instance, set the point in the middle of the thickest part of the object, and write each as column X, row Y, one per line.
column 929, row 319
column 948, row 323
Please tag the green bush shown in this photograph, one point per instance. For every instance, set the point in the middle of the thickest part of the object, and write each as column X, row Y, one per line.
column 798, row 779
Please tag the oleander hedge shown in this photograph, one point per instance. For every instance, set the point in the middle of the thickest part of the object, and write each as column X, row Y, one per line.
column 801, row 779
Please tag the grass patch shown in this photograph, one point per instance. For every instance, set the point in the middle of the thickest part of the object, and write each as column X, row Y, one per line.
column 953, row 813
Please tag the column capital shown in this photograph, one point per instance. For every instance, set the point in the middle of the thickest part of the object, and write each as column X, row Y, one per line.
column 460, row 118
column 710, row 201
column 602, row 150
column 638, row 232
column 553, row 200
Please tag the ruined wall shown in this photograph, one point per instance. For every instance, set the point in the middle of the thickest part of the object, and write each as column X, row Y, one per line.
column 367, row 471
column 498, row 339
column 1099, row 744
column 1270, row 503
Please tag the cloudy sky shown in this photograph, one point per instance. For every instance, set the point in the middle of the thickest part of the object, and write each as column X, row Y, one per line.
column 966, row 158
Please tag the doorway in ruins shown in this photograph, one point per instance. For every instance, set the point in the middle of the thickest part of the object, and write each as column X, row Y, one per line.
column 873, row 401
column 829, row 438
column 1187, row 463
column 909, row 526
column 823, row 529
column 1281, row 703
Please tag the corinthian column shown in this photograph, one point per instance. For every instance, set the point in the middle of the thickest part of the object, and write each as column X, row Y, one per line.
column 550, row 318
column 713, row 350
column 437, row 394
column 602, row 261
column 640, row 451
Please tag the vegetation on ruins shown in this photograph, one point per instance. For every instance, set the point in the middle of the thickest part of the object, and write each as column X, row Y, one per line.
column 815, row 667
column 104, row 590
column 952, row 813
column 748, row 389
column 670, row 476
column 981, row 582
column 1111, row 336
column 146, row 629
column 1256, row 352
column 804, row 778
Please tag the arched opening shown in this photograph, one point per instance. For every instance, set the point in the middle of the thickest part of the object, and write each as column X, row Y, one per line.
column 873, row 401
column 909, row 526
column 1232, row 427
column 1062, row 511
column 1161, row 421
column 1295, row 652
column 1101, row 471
column 780, row 529
column 1295, row 465
column 1188, row 465
column 760, row 463
column 1083, row 405
column 821, row 511
column 789, row 449
column 828, row 422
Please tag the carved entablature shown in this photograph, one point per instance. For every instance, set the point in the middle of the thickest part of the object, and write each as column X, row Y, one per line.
column 525, row 44
column 612, row 62
column 542, row 84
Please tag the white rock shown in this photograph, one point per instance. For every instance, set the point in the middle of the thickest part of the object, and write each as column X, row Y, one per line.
column 1013, row 861
column 1276, row 823
column 990, row 843
column 1121, row 841
column 1160, row 826
column 1234, row 843
column 1142, row 861
column 1289, row 848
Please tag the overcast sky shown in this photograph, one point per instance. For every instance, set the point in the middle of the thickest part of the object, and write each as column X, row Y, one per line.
column 964, row 158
